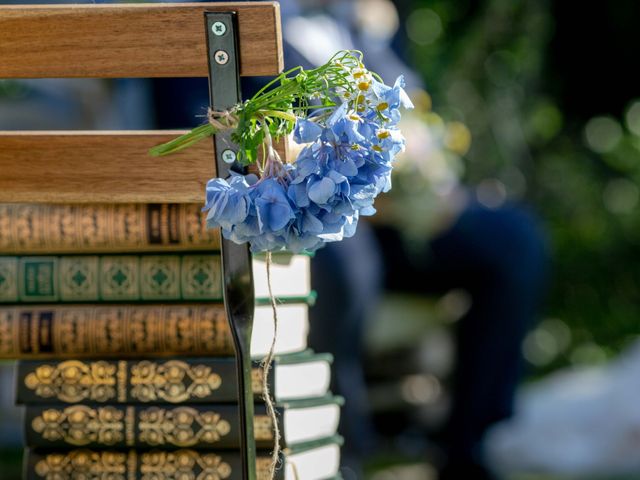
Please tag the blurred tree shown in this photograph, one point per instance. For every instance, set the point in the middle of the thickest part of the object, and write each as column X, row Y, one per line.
column 546, row 89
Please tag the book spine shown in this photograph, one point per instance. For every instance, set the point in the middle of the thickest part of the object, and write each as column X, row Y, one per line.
column 110, row 278
column 140, row 465
column 93, row 228
column 117, row 426
column 114, row 331
column 195, row 381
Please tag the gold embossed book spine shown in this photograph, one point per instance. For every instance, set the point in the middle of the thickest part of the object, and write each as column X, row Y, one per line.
column 29, row 229
column 154, row 381
column 112, row 426
column 156, row 464
column 58, row 331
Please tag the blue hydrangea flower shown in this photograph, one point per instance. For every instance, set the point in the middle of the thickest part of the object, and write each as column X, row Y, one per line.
column 227, row 202
column 345, row 164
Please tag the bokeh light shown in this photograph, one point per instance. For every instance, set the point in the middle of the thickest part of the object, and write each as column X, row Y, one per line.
column 424, row 26
column 602, row 134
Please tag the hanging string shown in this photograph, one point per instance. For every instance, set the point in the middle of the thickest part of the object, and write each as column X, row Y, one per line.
column 294, row 468
column 266, row 367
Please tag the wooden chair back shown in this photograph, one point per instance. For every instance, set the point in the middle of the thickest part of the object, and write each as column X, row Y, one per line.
column 118, row 41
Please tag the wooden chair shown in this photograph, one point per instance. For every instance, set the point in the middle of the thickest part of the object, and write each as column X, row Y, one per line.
column 137, row 40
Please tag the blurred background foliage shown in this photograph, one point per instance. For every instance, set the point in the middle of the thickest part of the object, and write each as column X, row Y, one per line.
column 548, row 92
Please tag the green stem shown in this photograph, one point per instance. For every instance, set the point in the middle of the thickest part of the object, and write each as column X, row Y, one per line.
column 183, row 141
column 275, row 106
column 275, row 113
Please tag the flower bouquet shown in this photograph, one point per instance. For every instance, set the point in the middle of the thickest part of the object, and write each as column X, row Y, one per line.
column 346, row 121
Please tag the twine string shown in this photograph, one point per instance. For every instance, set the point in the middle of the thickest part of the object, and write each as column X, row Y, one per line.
column 294, row 468
column 223, row 119
column 266, row 367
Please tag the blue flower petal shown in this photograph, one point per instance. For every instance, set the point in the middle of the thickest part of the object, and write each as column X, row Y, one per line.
column 306, row 131
column 321, row 191
column 311, row 224
column 404, row 99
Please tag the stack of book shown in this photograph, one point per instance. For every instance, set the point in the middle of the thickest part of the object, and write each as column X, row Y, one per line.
column 127, row 368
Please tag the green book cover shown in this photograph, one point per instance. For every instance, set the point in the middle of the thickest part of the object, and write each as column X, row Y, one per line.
column 131, row 278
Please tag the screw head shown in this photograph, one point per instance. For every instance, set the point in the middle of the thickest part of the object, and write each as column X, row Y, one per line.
column 221, row 57
column 229, row 156
column 219, row 28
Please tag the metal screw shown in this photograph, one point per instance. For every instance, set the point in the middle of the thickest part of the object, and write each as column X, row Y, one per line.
column 229, row 156
column 221, row 57
column 219, row 28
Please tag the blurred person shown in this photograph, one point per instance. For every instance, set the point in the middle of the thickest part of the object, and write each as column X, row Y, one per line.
column 497, row 254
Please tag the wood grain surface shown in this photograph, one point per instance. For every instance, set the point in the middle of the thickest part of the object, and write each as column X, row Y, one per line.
column 102, row 167
column 131, row 40
column 112, row 167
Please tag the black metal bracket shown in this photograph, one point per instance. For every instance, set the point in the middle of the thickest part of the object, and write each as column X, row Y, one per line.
column 224, row 93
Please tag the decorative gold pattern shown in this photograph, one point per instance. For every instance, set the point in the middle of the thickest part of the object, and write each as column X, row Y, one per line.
column 257, row 374
column 9, row 335
column 181, row 426
column 119, row 277
column 173, row 381
column 122, row 381
column 114, row 330
column 74, row 381
column 159, row 275
column 8, row 279
column 81, row 425
column 78, row 278
column 263, row 468
column 263, row 428
column 201, row 277
column 85, row 465
column 183, row 465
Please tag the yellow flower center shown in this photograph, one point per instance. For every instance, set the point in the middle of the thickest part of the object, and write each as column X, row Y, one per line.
column 364, row 86
column 382, row 134
column 382, row 106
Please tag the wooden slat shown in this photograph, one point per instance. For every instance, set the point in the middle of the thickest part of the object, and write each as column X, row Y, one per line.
column 102, row 167
column 131, row 40
column 114, row 167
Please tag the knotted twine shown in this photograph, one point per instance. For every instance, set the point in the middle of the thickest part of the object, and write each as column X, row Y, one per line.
column 223, row 119
column 227, row 120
